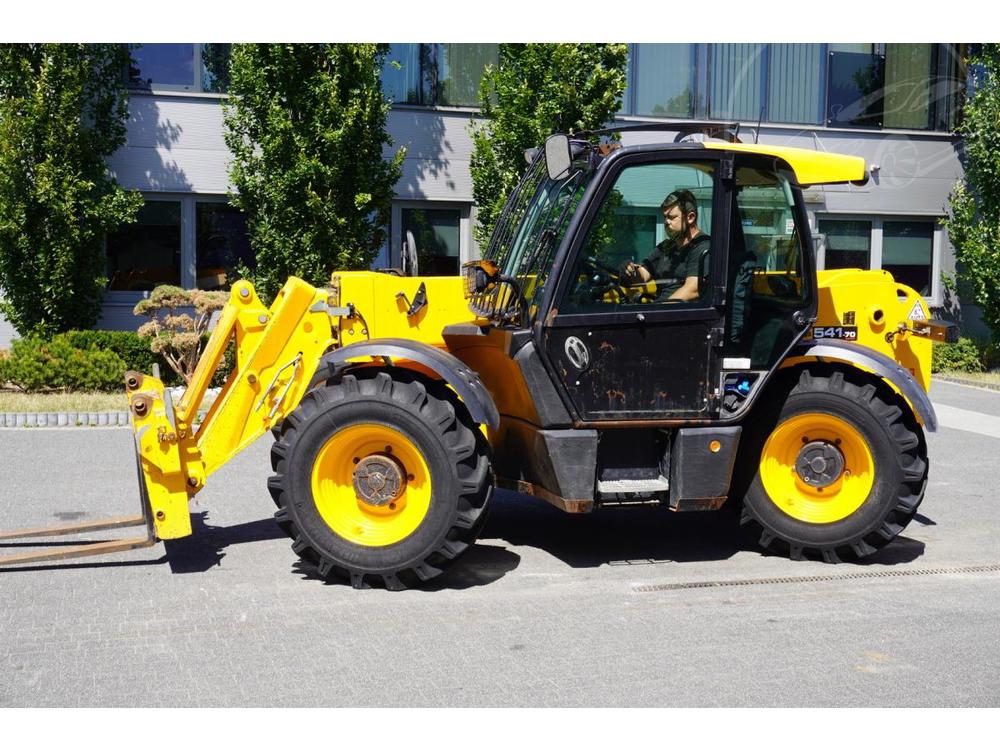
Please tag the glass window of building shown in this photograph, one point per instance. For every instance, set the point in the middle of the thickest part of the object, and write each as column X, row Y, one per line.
column 855, row 87
column 401, row 74
column 147, row 253
column 180, row 67
column 222, row 245
column 736, row 81
column 848, row 243
column 460, row 69
column 908, row 252
column 908, row 85
column 215, row 67
column 664, row 79
column 947, row 86
column 437, row 234
column 795, row 87
column 164, row 65
column 436, row 74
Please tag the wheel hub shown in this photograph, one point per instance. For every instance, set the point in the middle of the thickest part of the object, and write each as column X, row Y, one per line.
column 379, row 480
column 819, row 464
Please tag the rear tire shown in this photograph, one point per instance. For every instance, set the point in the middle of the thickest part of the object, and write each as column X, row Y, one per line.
column 840, row 472
column 406, row 517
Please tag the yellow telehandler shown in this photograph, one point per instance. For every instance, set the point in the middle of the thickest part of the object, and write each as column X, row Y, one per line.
column 556, row 368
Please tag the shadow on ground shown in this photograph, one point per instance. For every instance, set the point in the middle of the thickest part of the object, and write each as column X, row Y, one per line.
column 643, row 535
column 205, row 548
column 610, row 536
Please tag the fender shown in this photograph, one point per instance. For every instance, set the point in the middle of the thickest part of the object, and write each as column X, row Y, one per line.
column 883, row 366
column 448, row 367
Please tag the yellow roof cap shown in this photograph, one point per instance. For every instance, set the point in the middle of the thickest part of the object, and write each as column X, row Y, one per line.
column 810, row 167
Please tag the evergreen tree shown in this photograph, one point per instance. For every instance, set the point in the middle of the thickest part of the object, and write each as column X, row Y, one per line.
column 306, row 125
column 62, row 114
column 974, row 224
column 535, row 91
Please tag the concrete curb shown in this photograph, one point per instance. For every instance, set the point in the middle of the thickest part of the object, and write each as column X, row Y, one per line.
column 15, row 420
column 64, row 419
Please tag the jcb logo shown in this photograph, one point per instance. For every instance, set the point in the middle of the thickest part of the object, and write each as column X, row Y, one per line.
column 576, row 353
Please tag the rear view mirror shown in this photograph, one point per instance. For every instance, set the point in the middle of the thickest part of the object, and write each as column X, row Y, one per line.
column 557, row 156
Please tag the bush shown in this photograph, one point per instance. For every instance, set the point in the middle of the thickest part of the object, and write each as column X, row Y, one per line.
column 37, row 363
column 133, row 350
column 173, row 333
column 90, row 360
column 967, row 355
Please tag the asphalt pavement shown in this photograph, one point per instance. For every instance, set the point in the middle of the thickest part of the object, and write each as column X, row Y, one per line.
column 618, row 608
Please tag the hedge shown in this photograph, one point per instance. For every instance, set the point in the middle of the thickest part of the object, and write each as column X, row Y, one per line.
column 86, row 361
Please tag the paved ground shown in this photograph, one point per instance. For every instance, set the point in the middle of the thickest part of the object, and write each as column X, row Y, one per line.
column 547, row 610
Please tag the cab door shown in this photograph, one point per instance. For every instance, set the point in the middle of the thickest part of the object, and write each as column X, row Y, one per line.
column 618, row 354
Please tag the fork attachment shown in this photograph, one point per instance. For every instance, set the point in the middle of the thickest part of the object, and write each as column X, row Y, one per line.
column 85, row 549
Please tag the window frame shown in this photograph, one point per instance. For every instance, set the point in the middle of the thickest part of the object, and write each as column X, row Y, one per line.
column 935, row 298
column 189, row 239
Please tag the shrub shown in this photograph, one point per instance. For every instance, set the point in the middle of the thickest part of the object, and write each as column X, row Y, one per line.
column 966, row 355
column 90, row 360
column 174, row 335
column 37, row 363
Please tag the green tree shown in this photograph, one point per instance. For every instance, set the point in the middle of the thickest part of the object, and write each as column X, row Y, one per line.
column 306, row 125
column 535, row 91
column 62, row 114
column 974, row 224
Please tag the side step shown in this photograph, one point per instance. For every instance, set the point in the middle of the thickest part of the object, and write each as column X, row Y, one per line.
column 84, row 549
column 632, row 486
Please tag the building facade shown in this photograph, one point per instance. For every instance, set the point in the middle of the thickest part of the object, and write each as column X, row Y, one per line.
column 895, row 105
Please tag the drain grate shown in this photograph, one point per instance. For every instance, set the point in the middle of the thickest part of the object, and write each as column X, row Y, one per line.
column 646, row 588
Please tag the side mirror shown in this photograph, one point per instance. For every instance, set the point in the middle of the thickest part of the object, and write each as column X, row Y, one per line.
column 557, row 156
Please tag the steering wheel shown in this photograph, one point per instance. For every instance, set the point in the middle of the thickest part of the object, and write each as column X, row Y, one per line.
column 602, row 279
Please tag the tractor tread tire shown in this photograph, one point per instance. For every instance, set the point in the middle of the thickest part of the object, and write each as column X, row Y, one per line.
column 899, row 454
column 463, row 464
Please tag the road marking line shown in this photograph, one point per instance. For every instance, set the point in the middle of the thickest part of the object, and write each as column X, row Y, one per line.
column 969, row 421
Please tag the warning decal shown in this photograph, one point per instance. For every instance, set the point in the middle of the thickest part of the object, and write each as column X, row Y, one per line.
column 917, row 313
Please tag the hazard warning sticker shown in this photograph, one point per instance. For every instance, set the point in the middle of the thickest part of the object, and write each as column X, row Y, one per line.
column 917, row 313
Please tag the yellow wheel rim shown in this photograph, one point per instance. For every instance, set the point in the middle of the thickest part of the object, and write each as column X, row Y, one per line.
column 845, row 476
column 340, row 468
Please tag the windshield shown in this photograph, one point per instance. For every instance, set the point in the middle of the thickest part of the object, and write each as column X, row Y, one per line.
column 526, row 236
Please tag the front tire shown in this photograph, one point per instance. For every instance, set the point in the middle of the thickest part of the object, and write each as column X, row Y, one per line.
column 840, row 472
column 380, row 479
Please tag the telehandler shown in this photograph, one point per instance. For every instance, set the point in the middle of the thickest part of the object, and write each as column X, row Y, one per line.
column 398, row 403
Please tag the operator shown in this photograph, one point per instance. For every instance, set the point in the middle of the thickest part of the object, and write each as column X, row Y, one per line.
column 676, row 264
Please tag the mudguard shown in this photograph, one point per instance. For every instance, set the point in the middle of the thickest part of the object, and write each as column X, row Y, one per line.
column 883, row 366
column 449, row 368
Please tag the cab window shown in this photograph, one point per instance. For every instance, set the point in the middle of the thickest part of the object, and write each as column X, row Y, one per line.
column 650, row 241
column 766, row 282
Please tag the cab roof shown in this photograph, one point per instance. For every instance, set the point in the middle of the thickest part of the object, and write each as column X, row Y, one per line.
column 810, row 167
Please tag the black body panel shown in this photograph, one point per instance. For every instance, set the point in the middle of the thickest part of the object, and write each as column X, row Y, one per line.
column 699, row 477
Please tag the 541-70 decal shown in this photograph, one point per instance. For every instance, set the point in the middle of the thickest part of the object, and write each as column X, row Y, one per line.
column 846, row 333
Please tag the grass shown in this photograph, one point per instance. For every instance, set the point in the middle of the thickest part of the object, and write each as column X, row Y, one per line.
column 985, row 378
column 13, row 401
column 16, row 402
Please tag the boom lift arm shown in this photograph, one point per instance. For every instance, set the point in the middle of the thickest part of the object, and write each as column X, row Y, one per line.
column 277, row 351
